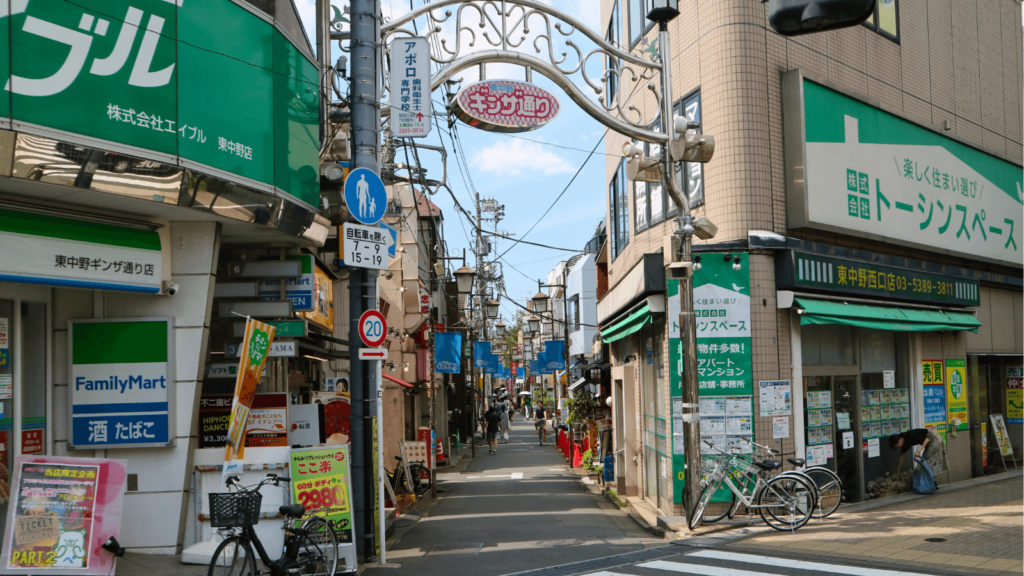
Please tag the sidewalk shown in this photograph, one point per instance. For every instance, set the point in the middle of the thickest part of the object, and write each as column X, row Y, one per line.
column 972, row 531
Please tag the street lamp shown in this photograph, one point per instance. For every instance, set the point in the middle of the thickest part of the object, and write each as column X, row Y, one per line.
column 499, row 330
column 492, row 309
column 540, row 303
column 663, row 10
column 534, row 324
column 464, row 279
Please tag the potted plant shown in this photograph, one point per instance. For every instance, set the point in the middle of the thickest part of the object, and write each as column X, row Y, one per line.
column 890, row 484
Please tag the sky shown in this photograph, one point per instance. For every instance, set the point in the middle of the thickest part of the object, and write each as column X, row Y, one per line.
column 525, row 172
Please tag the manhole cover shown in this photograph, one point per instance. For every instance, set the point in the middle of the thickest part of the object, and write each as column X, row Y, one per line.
column 558, row 543
column 469, row 548
column 934, row 539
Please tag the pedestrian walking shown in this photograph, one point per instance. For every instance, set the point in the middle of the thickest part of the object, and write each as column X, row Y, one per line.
column 506, row 420
column 493, row 428
column 930, row 447
column 540, row 415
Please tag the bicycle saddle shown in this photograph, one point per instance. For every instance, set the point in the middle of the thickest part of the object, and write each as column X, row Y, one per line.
column 798, row 462
column 768, row 464
column 293, row 510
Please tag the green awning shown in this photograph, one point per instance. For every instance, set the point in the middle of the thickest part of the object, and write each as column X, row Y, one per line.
column 883, row 317
column 628, row 325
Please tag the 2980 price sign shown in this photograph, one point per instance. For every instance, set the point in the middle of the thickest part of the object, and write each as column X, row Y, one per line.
column 320, row 482
column 365, row 246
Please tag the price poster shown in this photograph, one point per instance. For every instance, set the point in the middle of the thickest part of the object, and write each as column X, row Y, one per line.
column 321, row 483
column 1015, row 395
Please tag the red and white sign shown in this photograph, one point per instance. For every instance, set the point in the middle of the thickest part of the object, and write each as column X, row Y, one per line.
column 373, row 353
column 373, row 328
column 505, row 106
column 31, row 441
column 424, row 302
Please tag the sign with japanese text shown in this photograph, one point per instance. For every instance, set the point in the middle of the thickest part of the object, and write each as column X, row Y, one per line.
column 32, row 441
column 800, row 270
column 365, row 246
column 255, row 349
column 279, row 349
column 43, row 249
column 932, row 372
column 298, row 290
column 214, row 415
column 62, row 510
column 75, row 75
column 1002, row 436
column 956, row 388
column 268, row 421
column 321, row 483
column 1015, row 395
column 121, row 383
column 854, row 167
column 505, row 106
column 776, row 397
column 935, row 408
column 221, row 369
column 411, row 107
column 322, row 313
column 285, row 329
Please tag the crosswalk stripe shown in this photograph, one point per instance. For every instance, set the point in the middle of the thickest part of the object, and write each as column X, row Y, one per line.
column 606, row 573
column 799, row 564
column 699, row 569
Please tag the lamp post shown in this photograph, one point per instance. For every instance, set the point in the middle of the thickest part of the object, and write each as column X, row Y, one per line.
column 464, row 278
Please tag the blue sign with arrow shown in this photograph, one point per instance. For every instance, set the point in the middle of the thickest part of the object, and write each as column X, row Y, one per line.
column 365, row 196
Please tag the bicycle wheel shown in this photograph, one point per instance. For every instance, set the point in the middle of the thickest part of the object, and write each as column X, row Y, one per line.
column 829, row 488
column 420, row 480
column 702, row 503
column 786, row 502
column 317, row 550
column 233, row 557
column 715, row 511
column 807, row 480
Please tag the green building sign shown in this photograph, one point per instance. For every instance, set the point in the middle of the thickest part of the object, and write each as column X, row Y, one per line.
column 207, row 85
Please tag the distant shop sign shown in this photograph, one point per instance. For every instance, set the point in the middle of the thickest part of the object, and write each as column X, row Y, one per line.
column 505, row 106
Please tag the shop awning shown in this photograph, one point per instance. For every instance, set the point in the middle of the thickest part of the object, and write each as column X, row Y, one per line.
column 628, row 325
column 883, row 317
column 396, row 380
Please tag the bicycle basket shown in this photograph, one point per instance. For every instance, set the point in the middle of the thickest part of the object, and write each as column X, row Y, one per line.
column 235, row 509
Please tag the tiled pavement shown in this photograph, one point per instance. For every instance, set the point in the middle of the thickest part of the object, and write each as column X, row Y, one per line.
column 981, row 528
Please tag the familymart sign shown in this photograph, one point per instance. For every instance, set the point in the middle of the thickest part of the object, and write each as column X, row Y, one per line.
column 855, row 168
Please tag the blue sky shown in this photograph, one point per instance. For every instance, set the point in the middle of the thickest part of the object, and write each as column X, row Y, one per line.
column 526, row 173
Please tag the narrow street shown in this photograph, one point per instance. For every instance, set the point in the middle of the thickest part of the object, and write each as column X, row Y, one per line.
column 518, row 510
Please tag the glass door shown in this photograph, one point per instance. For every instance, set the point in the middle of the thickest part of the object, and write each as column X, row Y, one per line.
column 847, row 430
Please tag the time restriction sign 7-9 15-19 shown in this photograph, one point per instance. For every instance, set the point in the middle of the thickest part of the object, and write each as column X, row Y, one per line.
column 372, row 328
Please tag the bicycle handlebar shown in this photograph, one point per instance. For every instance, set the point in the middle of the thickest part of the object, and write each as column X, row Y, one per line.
column 270, row 479
column 752, row 443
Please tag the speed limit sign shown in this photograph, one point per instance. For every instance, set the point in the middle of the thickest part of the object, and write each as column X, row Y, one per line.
column 372, row 328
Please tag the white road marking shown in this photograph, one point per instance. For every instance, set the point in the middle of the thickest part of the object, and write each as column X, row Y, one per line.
column 517, row 476
column 698, row 570
column 800, row 564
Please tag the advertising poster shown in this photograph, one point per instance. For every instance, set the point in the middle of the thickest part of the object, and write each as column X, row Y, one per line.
column 5, row 357
column 956, row 388
column 776, row 398
column 1015, row 395
column 322, row 313
column 61, row 510
column 268, row 421
column 337, row 416
column 321, row 483
column 932, row 372
column 1002, row 437
column 255, row 348
column 214, row 414
column 935, row 409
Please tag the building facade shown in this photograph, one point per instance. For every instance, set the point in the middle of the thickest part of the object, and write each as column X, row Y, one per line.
column 866, row 274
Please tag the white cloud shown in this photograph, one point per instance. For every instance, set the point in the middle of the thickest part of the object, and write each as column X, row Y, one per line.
column 512, row 157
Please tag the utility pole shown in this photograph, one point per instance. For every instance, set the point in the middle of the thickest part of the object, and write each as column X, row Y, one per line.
column 365, row 105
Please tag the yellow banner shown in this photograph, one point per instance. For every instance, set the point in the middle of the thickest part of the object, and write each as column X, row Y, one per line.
column 254, row 351
column 956, row 393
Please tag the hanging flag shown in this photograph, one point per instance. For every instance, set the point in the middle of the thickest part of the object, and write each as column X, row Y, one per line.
column 481, row 354
column 494, row 365
column 554, row 352
column 521, row 373
column 254, row 351
column 447, row 346
column 534, row 369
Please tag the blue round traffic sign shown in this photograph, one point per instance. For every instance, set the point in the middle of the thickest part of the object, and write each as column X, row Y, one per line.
column 365, row 196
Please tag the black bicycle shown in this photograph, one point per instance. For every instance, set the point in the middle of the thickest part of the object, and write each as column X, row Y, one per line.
column 310, row 545
column 418, row 484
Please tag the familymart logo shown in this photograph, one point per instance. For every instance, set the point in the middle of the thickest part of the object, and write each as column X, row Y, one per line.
column 122, row 385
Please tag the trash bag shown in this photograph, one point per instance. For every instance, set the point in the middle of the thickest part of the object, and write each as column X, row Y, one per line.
column 924, row 479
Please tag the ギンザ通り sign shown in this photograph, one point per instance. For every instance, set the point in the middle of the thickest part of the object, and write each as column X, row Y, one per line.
column 121, row 382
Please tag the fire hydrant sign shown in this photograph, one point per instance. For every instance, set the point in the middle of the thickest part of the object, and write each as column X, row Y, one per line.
column 365, row 246
column 321, row 483
column 411, row 108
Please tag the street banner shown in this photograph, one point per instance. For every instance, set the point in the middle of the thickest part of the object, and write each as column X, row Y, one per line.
column 520, row 373
column 62, row 511
column 321, row 483
column 1015, row 395
column 447, row 357
column 956, row 388
column 481, row 354
column 554, row 354
column 255, row 348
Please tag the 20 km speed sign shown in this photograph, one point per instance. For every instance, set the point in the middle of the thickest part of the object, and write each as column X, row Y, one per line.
column 372, row 328
column 365, row 246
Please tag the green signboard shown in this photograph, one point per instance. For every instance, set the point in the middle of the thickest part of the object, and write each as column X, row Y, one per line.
column 206, row 85
column 854, row 168
column 800, row 270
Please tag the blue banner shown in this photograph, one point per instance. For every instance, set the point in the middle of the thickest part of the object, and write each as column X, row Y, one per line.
column 521, row 373
column 447, row 346
column 534, row 370
column 481, row 354
column 554, row 353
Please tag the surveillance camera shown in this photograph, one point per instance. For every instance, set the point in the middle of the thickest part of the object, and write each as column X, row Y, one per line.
column 679, row 269
column 171, row 288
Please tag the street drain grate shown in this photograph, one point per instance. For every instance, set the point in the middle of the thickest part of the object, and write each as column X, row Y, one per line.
column 463, row 548
column 934, row 539
column 558, row 543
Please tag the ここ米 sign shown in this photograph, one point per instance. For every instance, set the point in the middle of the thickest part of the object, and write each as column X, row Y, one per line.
column 121, row 381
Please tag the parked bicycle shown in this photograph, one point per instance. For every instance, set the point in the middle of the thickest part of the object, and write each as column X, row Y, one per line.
column 310, row 545
column 416, row 482
column 785, row 502
column 826, row 482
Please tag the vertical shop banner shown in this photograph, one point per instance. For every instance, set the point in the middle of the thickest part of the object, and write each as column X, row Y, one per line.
column 447, row 357
column 254, row 351
column 481, row 354
column 554, row 354
column 721, row 301
column 956, row 398
column 1015, row 395
column 267, row 424
column 121, row 383
column 321, row 483
column 935, row 408
column 62, row 510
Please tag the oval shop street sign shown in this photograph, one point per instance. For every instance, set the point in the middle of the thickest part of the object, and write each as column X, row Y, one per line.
column 365, row 196
column 505, row 106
